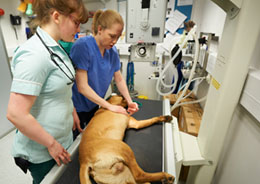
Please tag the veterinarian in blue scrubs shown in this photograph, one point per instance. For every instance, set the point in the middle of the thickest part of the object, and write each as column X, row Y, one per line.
column 40, row 104
column 97, row 62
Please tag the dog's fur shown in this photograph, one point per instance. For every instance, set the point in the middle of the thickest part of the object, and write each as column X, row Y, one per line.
column 104, row 156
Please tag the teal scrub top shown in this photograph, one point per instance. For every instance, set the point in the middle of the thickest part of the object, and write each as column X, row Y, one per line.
column 34, row 73
column 66, row 45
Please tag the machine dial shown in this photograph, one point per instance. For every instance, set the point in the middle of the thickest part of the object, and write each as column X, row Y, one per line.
column 141, row 51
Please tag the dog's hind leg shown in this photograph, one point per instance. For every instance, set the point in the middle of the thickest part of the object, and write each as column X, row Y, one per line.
column 84, row 174
column 139, row 175
column 137, row 124
column 143, row 177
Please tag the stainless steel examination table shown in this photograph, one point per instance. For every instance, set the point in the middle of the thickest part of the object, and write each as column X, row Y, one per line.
column 148, row 145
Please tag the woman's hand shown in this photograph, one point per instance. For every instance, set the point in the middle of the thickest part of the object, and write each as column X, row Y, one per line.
column 76, row 121
column 132, row 108
column 117, row 108
column 58, row 153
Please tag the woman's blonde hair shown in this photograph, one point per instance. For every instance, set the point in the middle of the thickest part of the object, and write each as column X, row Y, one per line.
column 44, row 8
column 105, row 19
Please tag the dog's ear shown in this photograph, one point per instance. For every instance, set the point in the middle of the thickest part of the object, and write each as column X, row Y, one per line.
column 124, row 103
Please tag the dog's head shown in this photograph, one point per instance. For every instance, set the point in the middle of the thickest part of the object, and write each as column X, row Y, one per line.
column 117, row 100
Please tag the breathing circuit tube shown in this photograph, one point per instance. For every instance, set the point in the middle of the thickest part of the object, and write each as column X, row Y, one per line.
column 173, row 86
column 162, row 74
column 194, row 101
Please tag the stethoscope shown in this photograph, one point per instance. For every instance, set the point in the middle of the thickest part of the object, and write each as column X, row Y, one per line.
column 53, row 55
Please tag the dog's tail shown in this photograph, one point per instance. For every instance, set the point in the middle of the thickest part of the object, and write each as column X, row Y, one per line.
column 84, row 174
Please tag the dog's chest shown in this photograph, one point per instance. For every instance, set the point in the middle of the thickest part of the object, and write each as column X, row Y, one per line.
column 114, row 130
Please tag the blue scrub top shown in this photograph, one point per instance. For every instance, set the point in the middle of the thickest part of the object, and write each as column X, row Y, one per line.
column 86, row 55
column 34, row 73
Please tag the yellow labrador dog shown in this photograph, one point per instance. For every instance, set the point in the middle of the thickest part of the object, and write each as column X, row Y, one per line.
column 106, row 158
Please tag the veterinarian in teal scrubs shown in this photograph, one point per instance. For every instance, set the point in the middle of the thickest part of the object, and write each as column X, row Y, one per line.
column 97, row 62
column 40, row 104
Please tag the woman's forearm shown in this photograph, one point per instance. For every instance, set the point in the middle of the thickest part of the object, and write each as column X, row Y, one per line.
column 124, row 91
column 89, row 93
column 28, row 126
column 122, row 87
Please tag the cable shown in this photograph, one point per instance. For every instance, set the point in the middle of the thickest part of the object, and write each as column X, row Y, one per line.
column 130, row 76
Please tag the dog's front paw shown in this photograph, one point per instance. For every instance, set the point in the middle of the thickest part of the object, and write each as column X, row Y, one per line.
column 167, row 118
column 169, row 179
